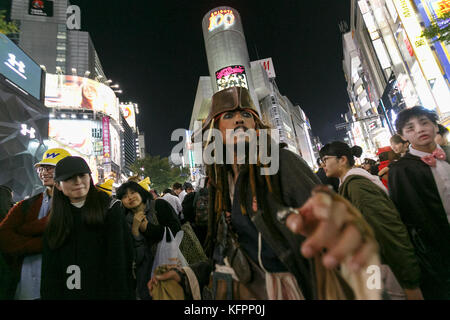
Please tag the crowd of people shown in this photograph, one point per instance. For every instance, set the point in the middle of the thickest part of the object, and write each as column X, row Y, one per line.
column 246, row 235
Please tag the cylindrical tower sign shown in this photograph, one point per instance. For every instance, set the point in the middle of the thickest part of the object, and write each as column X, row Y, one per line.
column 226, row 50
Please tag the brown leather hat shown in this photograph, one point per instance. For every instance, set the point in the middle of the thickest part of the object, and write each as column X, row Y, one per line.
column 227, row 100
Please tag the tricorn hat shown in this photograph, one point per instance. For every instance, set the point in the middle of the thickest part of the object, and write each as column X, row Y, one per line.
column 227, row 100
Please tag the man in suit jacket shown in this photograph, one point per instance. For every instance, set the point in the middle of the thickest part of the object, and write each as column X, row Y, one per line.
column 419, row 185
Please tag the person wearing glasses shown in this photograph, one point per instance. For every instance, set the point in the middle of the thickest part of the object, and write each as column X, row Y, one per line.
column 22, row 229
column 370, row 197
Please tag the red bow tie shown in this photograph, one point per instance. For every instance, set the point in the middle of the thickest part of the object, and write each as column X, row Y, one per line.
column 431, row 159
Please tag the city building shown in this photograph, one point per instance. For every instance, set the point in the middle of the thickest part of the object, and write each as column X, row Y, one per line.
column 24, row 120
column 49, row 31
column 141, row 145
column 86, row 119
column 229, row 65
column 390, row 66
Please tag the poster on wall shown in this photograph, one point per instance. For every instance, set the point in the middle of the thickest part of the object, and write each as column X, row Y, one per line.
column 82, row 93
column 73, row 134
column 232, row 76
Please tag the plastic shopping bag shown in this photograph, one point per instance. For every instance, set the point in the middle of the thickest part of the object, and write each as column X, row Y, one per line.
column 169, row 253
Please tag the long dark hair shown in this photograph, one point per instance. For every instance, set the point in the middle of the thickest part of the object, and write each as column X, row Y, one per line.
column 60, row 218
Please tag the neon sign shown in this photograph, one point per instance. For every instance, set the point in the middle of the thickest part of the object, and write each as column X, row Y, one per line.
column 221, row 18
column 232, row 76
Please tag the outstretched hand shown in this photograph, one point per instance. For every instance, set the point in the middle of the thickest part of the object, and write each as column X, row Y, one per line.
column 331, row 223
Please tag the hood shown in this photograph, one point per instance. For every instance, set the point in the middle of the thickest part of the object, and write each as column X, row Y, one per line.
column 365, row 174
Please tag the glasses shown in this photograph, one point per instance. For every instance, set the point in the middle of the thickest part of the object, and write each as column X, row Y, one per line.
column 324, row 159
column 41, row 169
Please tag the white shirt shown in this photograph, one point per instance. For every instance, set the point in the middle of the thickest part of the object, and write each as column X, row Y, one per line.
column 174, row 202
column 182, row 195
column 441, row 175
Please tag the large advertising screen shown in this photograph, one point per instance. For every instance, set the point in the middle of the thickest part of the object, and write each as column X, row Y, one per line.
column 74, row 134
column 20, row 69
column 82, row 93
column 232, row 76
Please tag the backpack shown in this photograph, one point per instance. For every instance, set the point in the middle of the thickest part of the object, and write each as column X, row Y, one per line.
column 201, row 208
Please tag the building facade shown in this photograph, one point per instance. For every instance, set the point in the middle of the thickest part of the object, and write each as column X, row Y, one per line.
column 229, row 65
column 44, row 34
column 390, row 66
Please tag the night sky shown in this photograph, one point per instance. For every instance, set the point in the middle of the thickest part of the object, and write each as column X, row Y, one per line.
column 155, row 51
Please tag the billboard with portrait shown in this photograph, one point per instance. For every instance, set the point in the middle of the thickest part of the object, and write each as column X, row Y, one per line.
column 65, row 91
column 73, row 134
column 232, row 76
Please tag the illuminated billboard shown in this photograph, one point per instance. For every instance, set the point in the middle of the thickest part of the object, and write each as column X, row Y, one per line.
column 40, row 8
column 232, row 76
column 20, row 69
column 65, row 91
column 106, row 139
column 431, row 10
column 129, row 113
column 73, row 134
column 116, row 145
column 221, row 18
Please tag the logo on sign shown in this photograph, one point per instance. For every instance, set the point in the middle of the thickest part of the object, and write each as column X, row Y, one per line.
column 221, row 18
column 26, row 131
column 38, row 4
column 74, row 19
column 16, row 66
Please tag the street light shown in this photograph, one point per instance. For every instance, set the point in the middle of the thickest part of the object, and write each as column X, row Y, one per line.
column 118, row 91
column 74, row 71
column 114, row 86
column 87, row 73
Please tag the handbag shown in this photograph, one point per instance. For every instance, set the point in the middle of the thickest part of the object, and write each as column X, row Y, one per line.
column 237, row 258
column 190, row 246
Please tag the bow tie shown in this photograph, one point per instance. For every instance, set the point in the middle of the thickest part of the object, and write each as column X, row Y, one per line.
column 431, row 159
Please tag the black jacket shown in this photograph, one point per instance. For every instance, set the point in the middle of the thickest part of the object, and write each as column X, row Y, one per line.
column 297, row 181
column 414, row 192
column 160, row 214
column 103, row 254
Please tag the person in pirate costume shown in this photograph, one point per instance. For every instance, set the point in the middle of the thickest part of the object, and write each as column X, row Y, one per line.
column 259, row 246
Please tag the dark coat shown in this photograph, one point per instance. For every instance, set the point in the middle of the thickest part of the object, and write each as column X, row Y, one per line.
column 396, row 249
column 414, row 192
column 296, row 181
column 160, row 214
column 103, row 253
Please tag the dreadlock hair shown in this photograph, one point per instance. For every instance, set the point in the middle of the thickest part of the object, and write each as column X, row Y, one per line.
column 219, row 192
